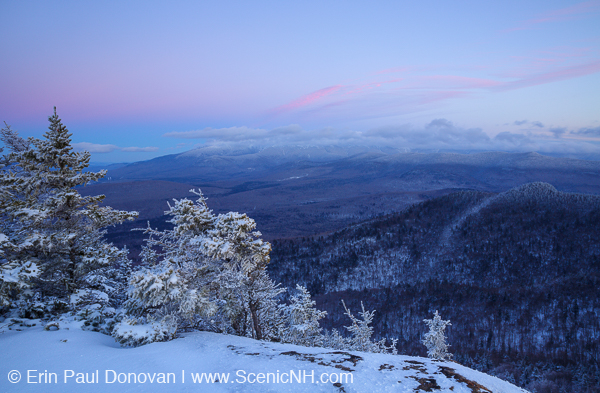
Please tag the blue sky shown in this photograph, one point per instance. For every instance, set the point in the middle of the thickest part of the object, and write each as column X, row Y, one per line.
column 137, row 79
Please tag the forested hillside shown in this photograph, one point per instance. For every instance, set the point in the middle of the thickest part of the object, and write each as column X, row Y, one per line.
column 517, row 273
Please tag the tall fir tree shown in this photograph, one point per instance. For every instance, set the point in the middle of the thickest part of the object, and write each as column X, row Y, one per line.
column 50, row 228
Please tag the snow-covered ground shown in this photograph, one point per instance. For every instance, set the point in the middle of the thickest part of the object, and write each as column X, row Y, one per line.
column 69, row 360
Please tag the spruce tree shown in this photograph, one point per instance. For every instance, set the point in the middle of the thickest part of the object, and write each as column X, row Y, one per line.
column 435, row 339
column 50, row 228
column 302, row 320
column 15, row 274
column 362, row 331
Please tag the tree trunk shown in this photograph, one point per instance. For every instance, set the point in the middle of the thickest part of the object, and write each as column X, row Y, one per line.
column 255, row 321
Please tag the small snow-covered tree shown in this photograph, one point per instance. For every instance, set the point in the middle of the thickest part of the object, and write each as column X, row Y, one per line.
column 208, row 272
column 133, row 332
column 435, row 339
column 302, row 320
column 362, row 332
column 52, row 235
column 333, row 339
column 361, row 329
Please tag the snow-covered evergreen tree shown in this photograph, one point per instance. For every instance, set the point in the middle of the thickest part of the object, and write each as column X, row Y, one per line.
column 133, row 332
column 435, row 339
column 208, row 272
column 15, row 274
column 302, row 320
column 362, row 331
column 52, row 237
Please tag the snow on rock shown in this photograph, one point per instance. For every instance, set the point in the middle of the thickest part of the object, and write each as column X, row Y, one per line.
column 62, row 360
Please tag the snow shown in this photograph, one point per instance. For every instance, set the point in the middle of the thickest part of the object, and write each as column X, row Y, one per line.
column 72, row 353
column 81, row 293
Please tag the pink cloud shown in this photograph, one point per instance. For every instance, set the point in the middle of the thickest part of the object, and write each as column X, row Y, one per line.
column 415, row 92
column 308, row 99
column 369, row 86
column 568, row 13
column 552, row 76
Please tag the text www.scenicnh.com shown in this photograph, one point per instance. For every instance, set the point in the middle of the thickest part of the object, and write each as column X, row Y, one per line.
column 292, row 376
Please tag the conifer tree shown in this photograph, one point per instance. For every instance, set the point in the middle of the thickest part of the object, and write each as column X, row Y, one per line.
column 362, row 331
column 208, row 272
column 303, row 320
column 49, row 228
column 435, row 339
column 15, row 274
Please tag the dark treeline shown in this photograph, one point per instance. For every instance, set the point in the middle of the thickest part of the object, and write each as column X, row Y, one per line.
column 517, row 273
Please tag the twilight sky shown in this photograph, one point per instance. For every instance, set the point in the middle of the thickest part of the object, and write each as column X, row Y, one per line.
column 134, row 80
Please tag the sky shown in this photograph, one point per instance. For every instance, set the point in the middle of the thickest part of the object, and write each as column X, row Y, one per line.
column 133, row 80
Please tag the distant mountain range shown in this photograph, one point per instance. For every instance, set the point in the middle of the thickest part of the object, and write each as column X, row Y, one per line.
column 298, row 190
column 492, row 170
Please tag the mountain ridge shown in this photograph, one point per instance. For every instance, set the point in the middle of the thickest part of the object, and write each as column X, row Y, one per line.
column 252, row 161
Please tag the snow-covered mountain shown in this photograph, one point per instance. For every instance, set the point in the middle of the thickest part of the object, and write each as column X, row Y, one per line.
column 299, row 190
column 218, row 163
column 72, row 360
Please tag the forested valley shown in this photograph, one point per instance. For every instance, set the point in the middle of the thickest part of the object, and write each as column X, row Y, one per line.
column 517, row 273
